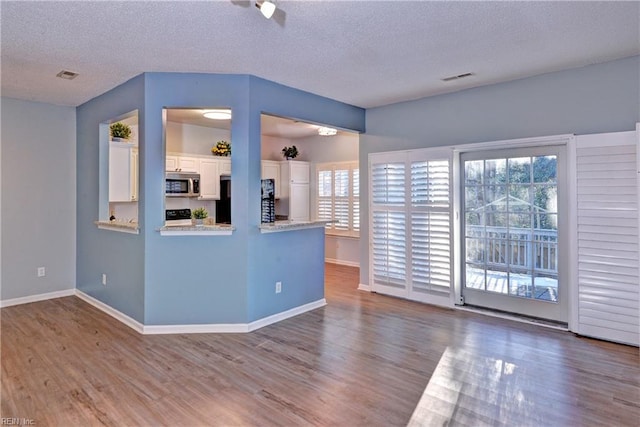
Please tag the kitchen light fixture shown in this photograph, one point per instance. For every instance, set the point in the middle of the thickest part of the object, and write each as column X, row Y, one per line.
column 325, row 131
column 219, row 114
column 267, row 7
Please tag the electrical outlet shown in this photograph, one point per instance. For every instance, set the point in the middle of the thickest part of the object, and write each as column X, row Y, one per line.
column 278, row 287
column 104, row 279
column 41, row 272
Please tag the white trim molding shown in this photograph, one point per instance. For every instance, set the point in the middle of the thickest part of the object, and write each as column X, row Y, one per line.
column 36, row 298
column 342, row 262
column 274, row 318
column 219, row 328
column 116, row 314
column 514, row 143
column 363, row 287
column 214, row 328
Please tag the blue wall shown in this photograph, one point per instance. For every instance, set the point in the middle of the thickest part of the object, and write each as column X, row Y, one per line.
column 195, row 279
column 294, row 258
column 592, row 99
column 119, row 255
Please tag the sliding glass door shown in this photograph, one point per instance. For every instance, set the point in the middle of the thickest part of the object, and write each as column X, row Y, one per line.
column 513, row 228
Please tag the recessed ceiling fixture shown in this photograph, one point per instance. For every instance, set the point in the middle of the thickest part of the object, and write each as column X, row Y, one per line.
column 218, row 114
column 267, row 7
column 67, row 75
column 459, row 76
column 325, row 131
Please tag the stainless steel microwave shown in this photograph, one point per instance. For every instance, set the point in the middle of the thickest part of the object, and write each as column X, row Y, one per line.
column 182, row 184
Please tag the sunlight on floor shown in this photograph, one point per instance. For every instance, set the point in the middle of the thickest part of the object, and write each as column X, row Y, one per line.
column 455, row 380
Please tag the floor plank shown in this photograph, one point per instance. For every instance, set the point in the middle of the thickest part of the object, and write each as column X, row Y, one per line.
column 364, row 359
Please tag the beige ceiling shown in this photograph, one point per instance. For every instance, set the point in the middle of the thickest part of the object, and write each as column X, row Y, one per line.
column 366, row 53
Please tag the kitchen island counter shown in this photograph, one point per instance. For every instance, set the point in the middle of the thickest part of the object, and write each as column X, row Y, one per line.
column 289, row 225
column 204, row 230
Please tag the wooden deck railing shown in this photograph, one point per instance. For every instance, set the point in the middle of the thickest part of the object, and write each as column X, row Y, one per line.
column 519, row 247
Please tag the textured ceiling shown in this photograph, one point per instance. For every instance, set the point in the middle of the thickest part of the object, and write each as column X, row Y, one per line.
column 365, row 53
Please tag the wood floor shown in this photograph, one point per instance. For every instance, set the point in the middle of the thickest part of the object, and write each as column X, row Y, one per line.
column 363, row 360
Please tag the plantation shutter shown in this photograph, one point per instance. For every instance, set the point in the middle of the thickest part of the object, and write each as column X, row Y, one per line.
column 355, row 200
column 341, row 199
column 325, row 192
column 430, row 226
column 410, row 224
column 607, row 231
column 388, row 227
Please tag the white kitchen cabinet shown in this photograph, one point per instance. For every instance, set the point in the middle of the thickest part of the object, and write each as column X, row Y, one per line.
column 171, row 164
column 225, row 165
column 299, row 202
column 175, row 163
column 210, row 179
column 294, row 189
column 123, row 172
column 271, row 170
column 134, row 174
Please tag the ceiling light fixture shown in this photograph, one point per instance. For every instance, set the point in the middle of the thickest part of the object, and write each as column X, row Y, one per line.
column 325, row 131
column 267, row 7
column 219, row 114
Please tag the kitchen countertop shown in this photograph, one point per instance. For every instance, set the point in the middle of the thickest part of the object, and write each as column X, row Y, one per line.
column 121, row 226
column 203, row 230
column 288, row 225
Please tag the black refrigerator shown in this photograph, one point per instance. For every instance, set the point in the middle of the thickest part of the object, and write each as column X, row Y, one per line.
column 223, row 206
column 268, row 202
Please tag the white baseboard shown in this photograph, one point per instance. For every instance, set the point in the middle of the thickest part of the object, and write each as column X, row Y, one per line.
column 169, row 329
column 36, row 298
column 363, row 287
column 342, row 262
column 118, row 315
column 219, row 328
column 265, row 321
column 210, row 328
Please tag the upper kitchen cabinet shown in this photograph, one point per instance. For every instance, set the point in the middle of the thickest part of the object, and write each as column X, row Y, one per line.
column 118, row 190
column 181, row 163
column 123, row 172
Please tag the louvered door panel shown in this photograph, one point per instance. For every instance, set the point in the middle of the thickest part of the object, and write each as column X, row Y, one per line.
column 388, row 228
column 410, row 225
column 431, row 227
column 607, row 224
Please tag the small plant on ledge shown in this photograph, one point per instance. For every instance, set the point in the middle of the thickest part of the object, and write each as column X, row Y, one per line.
column 199, row 215
column 290, row 152
column 222, row 148
column 120, row 130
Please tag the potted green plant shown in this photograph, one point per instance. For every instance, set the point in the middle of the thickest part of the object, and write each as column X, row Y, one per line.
column 290, row 152
column 120, row 131
column 199, row 214
column 222, row 148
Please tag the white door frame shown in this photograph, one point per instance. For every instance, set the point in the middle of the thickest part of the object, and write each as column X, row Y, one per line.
column 558, row 140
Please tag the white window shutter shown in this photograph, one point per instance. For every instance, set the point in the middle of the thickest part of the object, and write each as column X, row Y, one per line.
column 410, row 221
column 388, row 226
column 431, row 226
column 607, row 231
column 355, row 200
column 336, row 201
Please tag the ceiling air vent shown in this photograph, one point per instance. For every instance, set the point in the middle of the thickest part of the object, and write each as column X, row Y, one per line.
column 459, row 76
column 68, row 75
